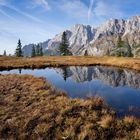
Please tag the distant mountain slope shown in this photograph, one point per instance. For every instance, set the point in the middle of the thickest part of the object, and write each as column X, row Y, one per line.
column 27, row 49
column 97, row 41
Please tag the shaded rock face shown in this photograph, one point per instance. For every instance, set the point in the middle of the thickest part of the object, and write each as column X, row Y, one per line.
column 110, row 76
column 27, row 49
column 97, row 41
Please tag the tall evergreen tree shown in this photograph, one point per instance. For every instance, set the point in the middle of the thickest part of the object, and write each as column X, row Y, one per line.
column 38, row 50
column 130, row 54
column 41, row 51
column 18, row 52
column 33, row 51
column 20, row 71
column 108, row 52
column 86, row 53
column 65, row 73
column 64, row 45
column 120, row 43
column 4, row 54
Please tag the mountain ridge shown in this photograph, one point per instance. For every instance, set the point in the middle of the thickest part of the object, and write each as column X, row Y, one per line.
column 96, row 40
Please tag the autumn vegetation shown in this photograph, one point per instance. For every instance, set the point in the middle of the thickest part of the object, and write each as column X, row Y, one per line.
column 30, row 108
column 58, row 61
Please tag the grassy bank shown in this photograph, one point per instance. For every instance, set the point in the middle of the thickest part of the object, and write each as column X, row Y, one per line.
column 57, row 61
column 30, row 108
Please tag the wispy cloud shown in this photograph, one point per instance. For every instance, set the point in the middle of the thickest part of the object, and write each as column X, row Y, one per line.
column 7, row 15
column 4, row 3
column 24, row 14
column 74, row 8
column 42, row 3
column 90, row 9
column 106, row 10
column 26, row 19
column 27, row 32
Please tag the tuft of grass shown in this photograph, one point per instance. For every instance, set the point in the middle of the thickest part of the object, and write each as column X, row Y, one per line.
column 129, row 123
column 106, row 121
column 30, row 108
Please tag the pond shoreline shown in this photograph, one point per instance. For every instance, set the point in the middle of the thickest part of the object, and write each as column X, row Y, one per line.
column 83, row 82
column 9, row 63
column 32, row 109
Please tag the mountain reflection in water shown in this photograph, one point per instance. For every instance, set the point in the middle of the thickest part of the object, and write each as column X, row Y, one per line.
column 120, row 88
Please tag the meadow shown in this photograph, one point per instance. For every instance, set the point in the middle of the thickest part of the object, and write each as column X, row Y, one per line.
column 30, row 108
column 57, row 61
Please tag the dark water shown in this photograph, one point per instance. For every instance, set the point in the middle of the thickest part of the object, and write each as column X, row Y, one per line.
column 119, row 88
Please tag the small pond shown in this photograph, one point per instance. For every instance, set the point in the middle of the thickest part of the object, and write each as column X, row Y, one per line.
column 120, row 88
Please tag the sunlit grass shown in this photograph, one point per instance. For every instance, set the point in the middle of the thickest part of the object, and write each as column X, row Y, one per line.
column 57, row 61
column 30, row 108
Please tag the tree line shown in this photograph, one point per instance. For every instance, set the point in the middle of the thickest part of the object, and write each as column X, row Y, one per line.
column 37, row 50
column 121, row 44
column 64, row 47
column 123, row 48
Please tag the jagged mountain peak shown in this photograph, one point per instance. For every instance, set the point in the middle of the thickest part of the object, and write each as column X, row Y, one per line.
column 134, row 17
column 96, row 40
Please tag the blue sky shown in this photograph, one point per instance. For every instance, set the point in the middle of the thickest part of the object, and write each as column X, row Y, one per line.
column 37, row 20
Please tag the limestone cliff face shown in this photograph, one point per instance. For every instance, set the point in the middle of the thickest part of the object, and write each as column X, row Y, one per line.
column 107, row 35
column 97, row 41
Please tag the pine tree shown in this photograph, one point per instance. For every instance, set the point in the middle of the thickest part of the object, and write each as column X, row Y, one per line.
column 64, row 45
column 120, row 43
column 4, row 54
column 65, row 73
column 86, row 53
column 38, row 50
column 18, row 52
column 130, row 54
column 33, row 51
column 41, row 51
column 20, row 71
column 108, row 52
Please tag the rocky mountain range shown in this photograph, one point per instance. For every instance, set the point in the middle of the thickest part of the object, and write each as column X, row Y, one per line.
column 110, row 76
column 98, row 41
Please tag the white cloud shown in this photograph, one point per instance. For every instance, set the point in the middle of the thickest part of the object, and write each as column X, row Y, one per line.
column 90, row 12
column 42, row 3
column 4, row 3
column 75, row 8
column 27, row 32
column 7, row 15
column 24, row 14
column 107, row 10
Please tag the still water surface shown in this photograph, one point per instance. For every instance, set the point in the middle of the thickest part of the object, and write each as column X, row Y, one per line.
column 119, row 88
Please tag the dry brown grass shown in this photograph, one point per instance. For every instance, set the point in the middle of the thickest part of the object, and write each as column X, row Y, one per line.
column 41, row 62
column 31, row 109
